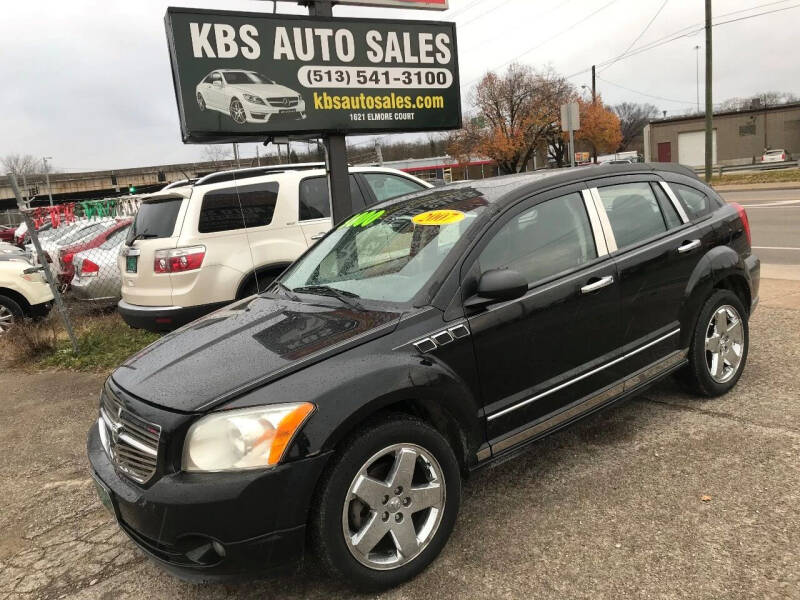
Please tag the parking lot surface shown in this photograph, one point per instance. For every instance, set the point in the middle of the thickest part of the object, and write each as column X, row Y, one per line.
column 666, row 496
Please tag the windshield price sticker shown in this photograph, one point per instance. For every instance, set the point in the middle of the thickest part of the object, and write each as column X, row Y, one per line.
column 240, row 76
column 438, row 217
column 364, row 219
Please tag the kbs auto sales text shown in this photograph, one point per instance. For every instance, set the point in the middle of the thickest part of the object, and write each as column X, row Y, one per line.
column 321, row 44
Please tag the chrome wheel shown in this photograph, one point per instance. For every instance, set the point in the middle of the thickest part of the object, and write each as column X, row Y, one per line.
column 237, row 112
column 6, row 319
column 200, row 102
column 394, row 506
column 724, row 343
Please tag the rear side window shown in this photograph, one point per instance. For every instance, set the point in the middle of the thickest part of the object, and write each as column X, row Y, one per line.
column 238, row 207
column 696, row 203
column 315, row 201
column 633, row 212
column 386, row 186
column 547, row 239
column 156, row 218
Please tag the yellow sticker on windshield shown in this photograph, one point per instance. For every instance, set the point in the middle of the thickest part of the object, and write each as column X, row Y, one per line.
column 438, row 217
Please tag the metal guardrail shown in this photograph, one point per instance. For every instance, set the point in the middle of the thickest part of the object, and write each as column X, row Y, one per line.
column 719, row 170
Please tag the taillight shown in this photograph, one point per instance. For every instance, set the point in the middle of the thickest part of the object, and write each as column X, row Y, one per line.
column 67, row 258
column 178, row 260
column 783, row 156
column 745, row 221
column 89, row 269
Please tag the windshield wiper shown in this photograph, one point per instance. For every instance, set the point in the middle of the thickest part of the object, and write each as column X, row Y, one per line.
column 287, row 291
column 343, row 296
column 145, row 235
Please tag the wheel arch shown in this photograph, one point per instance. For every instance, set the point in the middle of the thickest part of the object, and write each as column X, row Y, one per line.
column 16, row 297
column 250, row 277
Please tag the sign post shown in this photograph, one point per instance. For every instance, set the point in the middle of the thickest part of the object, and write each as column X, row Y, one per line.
column 245, row 77
column 570, row 121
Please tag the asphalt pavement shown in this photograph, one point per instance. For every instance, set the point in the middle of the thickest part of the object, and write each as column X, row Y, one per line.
column 775, row 225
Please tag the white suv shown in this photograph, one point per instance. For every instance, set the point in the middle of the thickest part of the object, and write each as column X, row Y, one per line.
column 23, row 290
column 195, row 248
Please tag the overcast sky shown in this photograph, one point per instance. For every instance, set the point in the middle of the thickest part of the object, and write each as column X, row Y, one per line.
column 88, row 81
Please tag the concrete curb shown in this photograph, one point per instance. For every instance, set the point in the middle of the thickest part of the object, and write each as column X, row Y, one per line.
column 754, row 187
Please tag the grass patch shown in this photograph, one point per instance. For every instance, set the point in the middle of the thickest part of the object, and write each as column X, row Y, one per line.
column 104, row 342
column 777, row 176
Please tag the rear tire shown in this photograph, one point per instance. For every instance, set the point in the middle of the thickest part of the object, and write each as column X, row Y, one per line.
column 256, row 286
column 10, row 314
column 719, row 346
column 376, row 529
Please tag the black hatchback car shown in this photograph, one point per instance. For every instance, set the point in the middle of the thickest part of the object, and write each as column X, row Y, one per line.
column 416, row 342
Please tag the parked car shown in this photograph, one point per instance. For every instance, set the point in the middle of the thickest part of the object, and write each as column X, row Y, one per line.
column 73, row 233
column 421, row 339
column 22, row 293
column 189, row 250
column 67, row 253
column 249, row 97
column 778, row 155
column 97, row 277
column 7, row 234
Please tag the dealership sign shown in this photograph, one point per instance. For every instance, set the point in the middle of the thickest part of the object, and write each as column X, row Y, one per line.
column 245, row 76
column 426, row 4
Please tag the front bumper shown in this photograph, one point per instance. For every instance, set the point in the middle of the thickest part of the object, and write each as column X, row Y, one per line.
column 257, row 518
column 163, row 318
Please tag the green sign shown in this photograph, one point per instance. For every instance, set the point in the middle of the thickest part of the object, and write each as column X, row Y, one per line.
column 246, row 76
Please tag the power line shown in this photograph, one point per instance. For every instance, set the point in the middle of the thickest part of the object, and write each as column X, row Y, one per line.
column 645, row 94
column 473, row 19
column 646, row 27
column 551, row 38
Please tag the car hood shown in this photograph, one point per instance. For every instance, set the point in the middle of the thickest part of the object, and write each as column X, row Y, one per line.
column 244, row 346
column 265, row 89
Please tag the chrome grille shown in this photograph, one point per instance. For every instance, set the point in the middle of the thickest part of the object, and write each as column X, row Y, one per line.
column 282, row 102
column 131, row 442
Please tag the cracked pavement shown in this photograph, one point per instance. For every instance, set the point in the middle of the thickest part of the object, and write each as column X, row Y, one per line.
column 610, row 508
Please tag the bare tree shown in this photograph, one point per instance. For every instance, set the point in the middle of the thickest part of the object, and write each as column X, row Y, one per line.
column 216, row 153
column 633, row 117
column 764, row 99
column 22, row 164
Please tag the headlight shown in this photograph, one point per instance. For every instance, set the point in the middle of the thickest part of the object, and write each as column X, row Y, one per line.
column 248, row 438
column 253, row 99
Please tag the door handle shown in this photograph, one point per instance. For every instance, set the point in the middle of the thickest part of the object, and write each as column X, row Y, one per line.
column 689, row 246
column 318, row 236
column 597, row 285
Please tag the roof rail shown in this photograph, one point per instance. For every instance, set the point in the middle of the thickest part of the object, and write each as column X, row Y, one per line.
column 235, row 174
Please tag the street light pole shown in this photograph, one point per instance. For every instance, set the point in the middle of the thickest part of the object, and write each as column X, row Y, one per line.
column 697, row 78
column 709, row 96
column 47, row 177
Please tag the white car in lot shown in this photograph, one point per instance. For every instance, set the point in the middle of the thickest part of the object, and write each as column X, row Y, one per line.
column 23, row 291
column 777, row 155
column 248, row 97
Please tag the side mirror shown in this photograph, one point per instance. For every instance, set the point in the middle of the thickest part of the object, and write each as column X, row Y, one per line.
column 498, row 285
column 217, row 83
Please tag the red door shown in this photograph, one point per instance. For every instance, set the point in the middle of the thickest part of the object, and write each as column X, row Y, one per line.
column 664, row 152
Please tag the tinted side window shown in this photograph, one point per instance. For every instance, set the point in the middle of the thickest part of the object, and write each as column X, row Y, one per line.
column 386, row 187
column 670, row 214
column 695, row 202
column 549, row 238
column 633, row 212
column 236, row 207
column 314, row 200
column 156, row 218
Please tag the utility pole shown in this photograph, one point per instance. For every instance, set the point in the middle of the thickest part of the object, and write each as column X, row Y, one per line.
column 379, row 152
column 594, row 86
column 47, row 177
column 336, row 146
column 236, row 154
column 709, row 97
column 258, row 157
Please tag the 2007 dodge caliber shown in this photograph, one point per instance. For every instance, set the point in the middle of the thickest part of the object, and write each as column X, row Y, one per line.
column 416, row 342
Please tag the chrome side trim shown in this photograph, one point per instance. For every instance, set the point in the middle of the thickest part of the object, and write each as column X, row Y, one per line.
column 594, row 401
column 594, row 220
column 675, row 202
column 611, row 241
column 580, row 377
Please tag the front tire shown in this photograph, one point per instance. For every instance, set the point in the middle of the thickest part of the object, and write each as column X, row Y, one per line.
column 388, row 504
column 237, row 112
column 719, row 346
column 10, row 313
column 201, row 103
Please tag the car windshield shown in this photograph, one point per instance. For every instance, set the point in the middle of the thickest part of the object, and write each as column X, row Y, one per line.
column 388, row 254
column 246, row 77
column 774, row 152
